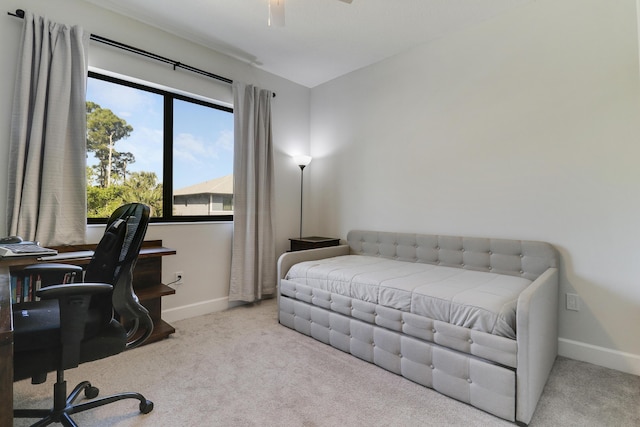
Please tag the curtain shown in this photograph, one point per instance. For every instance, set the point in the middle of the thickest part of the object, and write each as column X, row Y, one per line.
column 253, row 260
column 47, row 149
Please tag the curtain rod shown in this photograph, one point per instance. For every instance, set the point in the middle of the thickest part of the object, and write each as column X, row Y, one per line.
column 176, row 64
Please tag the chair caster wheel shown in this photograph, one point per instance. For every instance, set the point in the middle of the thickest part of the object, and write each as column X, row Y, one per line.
column 91, row 392
column 146, row 406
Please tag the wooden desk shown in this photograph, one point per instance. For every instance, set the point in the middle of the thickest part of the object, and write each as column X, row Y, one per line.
column 6, row 350
column 147, row 282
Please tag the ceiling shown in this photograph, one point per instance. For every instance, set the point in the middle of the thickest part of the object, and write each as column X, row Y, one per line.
column 321, row 39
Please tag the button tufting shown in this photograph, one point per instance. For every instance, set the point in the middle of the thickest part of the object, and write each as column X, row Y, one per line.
column 470, row 341
column 432, row 367
column 521, row 272
column 433, row 330
column 521, row 255
column 469, row 380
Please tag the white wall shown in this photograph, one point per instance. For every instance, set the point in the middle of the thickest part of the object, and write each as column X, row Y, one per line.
column 203, row 249
column 526, row 126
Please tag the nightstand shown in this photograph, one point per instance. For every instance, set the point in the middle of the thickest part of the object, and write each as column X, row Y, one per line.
column 312, row 242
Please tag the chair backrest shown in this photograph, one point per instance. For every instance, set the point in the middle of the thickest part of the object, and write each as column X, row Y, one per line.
column 113, row 262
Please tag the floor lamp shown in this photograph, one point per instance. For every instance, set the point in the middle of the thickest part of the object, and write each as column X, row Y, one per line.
column 302, row 162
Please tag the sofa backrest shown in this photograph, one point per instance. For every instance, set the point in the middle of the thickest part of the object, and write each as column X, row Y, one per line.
column 528, row 259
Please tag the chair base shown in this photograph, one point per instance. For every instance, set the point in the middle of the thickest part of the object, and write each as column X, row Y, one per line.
column 64, row 405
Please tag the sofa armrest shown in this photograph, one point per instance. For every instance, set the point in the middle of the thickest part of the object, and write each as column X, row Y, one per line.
column 288, row 259
column 537, row 339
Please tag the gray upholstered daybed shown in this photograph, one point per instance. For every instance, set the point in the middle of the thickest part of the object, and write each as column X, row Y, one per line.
column 473, row 318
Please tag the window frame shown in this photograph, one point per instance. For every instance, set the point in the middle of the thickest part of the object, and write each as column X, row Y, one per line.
column 167, row 157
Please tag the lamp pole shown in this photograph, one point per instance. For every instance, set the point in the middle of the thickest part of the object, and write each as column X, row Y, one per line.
column 301, row 193
column 302, row 162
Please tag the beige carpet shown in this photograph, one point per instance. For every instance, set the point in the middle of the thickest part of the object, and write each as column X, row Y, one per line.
column 241, row 368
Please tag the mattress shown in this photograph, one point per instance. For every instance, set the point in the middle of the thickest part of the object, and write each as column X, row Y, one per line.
column 477, row 300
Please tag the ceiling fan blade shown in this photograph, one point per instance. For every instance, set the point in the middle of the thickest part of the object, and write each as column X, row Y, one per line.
column 276, row 13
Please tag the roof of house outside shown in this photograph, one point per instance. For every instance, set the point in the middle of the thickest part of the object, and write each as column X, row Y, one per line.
column 222, row 185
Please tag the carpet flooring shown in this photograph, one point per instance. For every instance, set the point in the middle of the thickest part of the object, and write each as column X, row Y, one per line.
column 241, row 368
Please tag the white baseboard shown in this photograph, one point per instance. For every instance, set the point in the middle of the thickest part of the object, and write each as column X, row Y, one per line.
column 193, row 310
column 602, row 356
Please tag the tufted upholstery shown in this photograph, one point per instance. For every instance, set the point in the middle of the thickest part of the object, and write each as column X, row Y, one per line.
column 527, row 259
column 499, row 375
column 486, row 386
column 494, row 348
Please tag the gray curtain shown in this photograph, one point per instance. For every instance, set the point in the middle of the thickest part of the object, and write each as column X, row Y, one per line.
column 253, row 260
column 47, row 154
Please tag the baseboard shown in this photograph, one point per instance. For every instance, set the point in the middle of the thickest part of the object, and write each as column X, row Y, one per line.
column 613, row 359
column 198, row 309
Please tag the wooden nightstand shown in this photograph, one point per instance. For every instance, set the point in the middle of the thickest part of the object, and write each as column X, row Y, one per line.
column 312, row 242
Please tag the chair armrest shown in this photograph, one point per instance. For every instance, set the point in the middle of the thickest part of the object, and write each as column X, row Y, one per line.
column 54, row 273
column 73, row 289
column 74, row 302
column 537, row 338
column 49, row 266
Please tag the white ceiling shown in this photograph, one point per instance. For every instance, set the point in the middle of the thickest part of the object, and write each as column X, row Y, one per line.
column 321, row 39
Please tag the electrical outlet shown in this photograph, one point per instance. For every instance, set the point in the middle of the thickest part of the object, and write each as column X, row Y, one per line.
column 573, row 302
column 179, row 277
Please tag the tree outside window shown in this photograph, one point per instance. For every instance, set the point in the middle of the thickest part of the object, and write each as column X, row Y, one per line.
column 169, row 151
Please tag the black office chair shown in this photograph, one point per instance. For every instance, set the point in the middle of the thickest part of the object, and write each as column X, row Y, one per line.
column 81, row 322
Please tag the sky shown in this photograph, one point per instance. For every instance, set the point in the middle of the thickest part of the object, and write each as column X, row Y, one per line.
column 203, row 136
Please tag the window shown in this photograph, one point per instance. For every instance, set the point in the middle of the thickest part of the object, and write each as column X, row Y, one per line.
column 169, row 151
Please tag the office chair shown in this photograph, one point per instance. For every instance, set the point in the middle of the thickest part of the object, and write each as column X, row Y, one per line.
column 76, row 323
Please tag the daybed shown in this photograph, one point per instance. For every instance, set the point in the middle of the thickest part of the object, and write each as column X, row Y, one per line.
column 473, row 318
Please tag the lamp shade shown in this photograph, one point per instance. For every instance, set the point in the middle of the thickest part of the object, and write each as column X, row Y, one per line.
column 302, row 160
column 276, row 13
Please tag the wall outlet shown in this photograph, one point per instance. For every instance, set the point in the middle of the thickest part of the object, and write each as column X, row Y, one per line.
column 573, row 302
column 179, row 277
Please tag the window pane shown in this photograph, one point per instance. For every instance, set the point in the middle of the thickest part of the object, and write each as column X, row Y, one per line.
column 138, row 133
column 124, row 148
column 202, row 160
